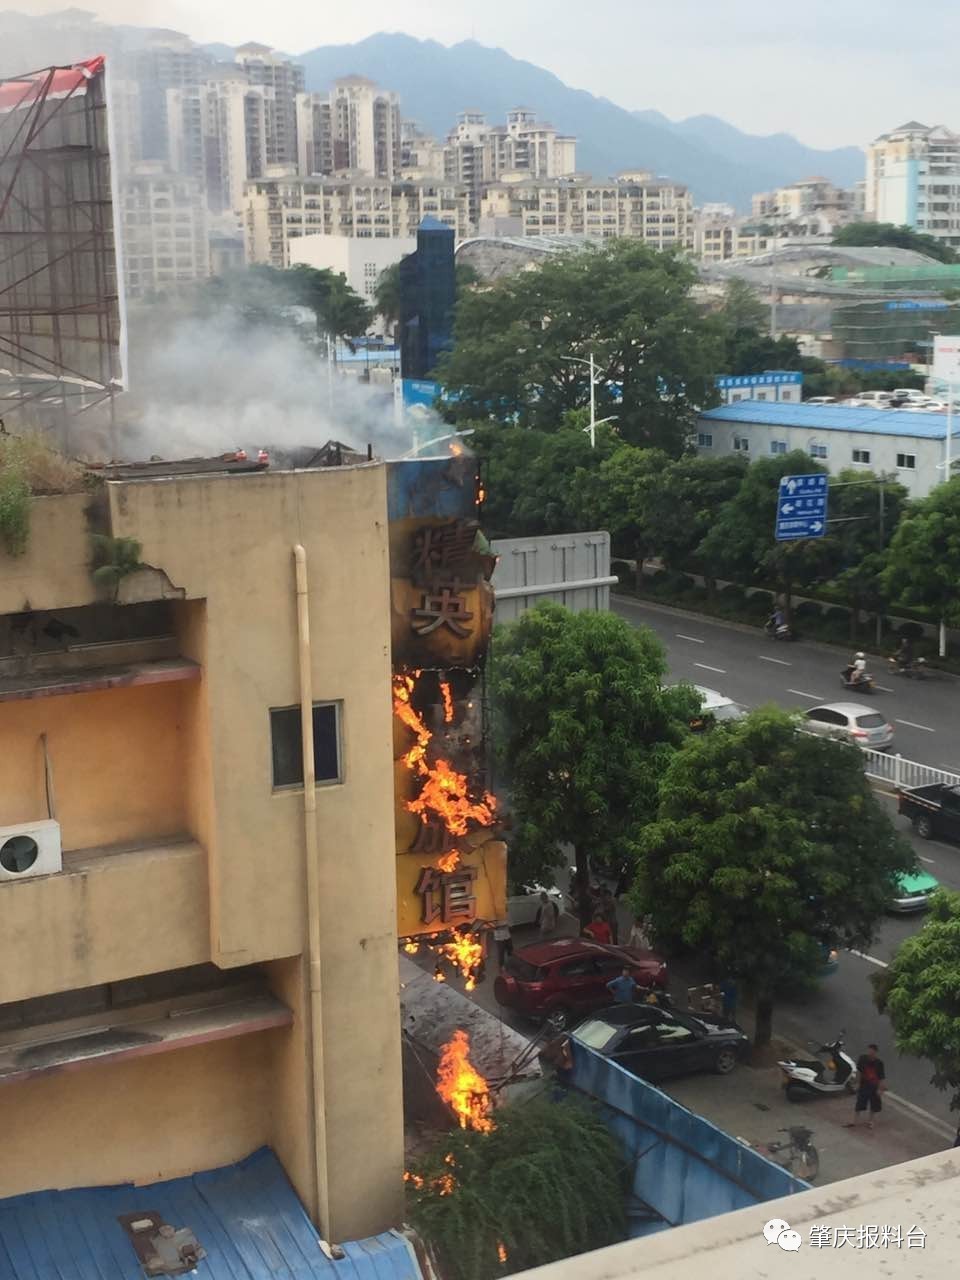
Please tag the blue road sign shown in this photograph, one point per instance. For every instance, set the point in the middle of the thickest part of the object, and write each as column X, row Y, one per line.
column 802, row 507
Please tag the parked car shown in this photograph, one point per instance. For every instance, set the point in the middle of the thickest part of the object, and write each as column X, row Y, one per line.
column 558, row 981
column 913, row 892
column 716, row 706
column 821, row 400
column 850, row 722
column 876, row 397
column 655, row 1043
column 522, row 906
column 934, row 809
column 908, row 393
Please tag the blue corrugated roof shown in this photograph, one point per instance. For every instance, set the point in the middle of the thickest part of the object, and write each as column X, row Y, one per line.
column 246, row 1216
column 830, row 417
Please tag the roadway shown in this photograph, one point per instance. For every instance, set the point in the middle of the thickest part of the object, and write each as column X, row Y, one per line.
column 750, row 668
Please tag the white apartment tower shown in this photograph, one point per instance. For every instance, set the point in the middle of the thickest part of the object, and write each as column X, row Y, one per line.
column 236, row 128
column 264, row 67
column 164, row 221
column 168, row 60
column 913, row 179
column 353, row 128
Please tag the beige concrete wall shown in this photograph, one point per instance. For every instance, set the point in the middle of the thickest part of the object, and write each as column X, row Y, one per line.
column 139, row 1120
column 53, row 572
column 119, row 760
column 230, row 542
column 104, row 918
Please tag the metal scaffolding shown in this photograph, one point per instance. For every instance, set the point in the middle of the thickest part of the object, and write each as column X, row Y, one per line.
column 60, row 309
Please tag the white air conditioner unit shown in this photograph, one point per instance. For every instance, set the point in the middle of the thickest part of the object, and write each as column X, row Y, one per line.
column 32, row 849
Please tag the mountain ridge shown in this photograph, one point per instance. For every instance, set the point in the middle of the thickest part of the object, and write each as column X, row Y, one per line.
column 715, row 159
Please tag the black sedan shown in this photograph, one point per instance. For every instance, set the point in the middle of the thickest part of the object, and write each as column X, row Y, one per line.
column 655, row 1043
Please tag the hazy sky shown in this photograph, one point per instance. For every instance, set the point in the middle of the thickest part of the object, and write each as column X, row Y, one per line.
column 829, row 71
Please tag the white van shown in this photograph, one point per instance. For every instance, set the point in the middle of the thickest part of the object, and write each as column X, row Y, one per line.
column 876, row 397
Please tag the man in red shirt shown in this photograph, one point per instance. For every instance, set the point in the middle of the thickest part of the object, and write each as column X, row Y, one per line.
column 598, row 929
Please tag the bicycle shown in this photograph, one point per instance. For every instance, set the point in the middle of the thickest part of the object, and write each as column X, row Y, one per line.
column 800, row 1155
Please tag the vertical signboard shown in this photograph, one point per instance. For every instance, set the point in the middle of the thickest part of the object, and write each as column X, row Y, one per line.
column 451, row 865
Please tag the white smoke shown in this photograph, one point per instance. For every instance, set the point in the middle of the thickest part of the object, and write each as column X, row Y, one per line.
column 207, row 386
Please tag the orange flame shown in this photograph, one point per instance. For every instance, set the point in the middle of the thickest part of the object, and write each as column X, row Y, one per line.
column 466, row 953
column 447, row 701
column 449, row 861
column 502, row 1254
column 462, row 1087
column 411, row 947
column 445, row 1185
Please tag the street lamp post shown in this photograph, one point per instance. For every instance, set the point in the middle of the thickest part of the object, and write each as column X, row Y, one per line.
column 594, row 422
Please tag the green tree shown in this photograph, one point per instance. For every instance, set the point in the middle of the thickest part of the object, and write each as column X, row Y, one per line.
column 767, row 844
column 923, row 559
column 261, row 296
column 533, row 478
column 741, row 543
column 631, row 307
column 549, row 1182
column 690, row 493
column 861, row 534
column 583, row 728
column 920, row 992
column 742, row 307
column 621, row 495
column 886, row 233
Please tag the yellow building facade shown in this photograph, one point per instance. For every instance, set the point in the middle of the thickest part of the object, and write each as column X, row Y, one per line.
column 211, row 965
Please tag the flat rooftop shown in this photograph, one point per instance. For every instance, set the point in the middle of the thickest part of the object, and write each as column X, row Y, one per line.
column 830, row 417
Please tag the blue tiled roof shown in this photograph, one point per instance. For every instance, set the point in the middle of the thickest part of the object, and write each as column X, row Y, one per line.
column 246, row 1216
column 830, row 417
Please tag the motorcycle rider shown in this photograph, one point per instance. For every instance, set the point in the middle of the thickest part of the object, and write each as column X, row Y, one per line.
column 904, row 653
column 857, row 669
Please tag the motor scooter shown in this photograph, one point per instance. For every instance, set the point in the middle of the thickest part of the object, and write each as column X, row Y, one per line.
column 915, row 667
column 835, row 1072
column 782, row 632
column 863, row 683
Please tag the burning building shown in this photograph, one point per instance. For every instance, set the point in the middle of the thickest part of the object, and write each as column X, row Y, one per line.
column 451, row 865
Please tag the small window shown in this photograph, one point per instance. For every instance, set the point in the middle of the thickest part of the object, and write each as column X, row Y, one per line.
column 741, row 444
column 287, row 744
column 818, row 451
column 907, row 461
column 873, row 720
column 704, row 440
column 861, row 455
column 761, row 395
column 778, row 446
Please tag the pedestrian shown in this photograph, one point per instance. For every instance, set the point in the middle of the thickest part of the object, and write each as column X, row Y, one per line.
column 638, row 935
column 872, row 1083
column 728, row 998
column 623, row 988
column 501, row 936
column 548, row 917
column 598, row 929
column 608, row 909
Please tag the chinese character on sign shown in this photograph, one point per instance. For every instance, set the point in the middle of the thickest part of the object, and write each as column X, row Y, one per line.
column 444, row 548
column 442, row 605
column 447, row 896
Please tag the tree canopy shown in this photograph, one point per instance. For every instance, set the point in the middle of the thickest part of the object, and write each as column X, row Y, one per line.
column 656, row 351
column 923, row 561
column 886, row 233
column 583, row 729
column 740, row 543
column 547, row 1183
column 261, row 296
column 767, row 844
column 387, row 293
column 920, row 991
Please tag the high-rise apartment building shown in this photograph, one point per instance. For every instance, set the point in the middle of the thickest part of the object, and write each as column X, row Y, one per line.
column 263, row 66
column 815, row 203
column 354, row 127
column 236, row 121
column 163, row 228
column 635, row 205
column 168, row 60
column 280, row 210
column 913, row 179
column 421, row 156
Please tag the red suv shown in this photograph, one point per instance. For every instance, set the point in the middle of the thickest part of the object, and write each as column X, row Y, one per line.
column 558, row 981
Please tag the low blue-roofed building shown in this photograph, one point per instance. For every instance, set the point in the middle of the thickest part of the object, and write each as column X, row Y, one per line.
column 898, row 442
column 246, row 1217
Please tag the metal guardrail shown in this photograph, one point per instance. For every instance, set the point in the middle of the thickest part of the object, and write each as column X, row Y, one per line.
column 885, row 767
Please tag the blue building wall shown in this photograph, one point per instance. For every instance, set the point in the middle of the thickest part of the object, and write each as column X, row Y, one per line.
column 684, row 1167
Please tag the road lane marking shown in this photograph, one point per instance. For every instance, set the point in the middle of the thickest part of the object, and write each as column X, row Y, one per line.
column 800, row 694
column 910, row 725
column 692, row 639
column 923, row 859
column 719, row 670
column 779, row 661
column 925, row 1117
column 883, row 689
column 870, row 959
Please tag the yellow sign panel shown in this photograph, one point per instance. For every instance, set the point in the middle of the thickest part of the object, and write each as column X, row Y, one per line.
column 430, row 900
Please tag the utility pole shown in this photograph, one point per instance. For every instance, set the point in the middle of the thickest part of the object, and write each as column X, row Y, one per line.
column 593, row 406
